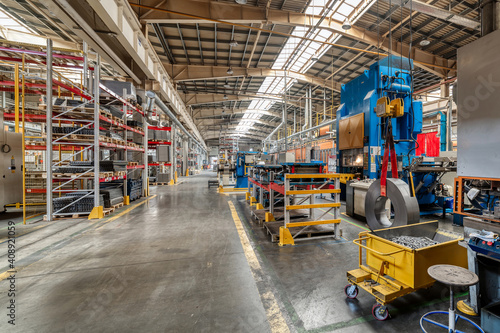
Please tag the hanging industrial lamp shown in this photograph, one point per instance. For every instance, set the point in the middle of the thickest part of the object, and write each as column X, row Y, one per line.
column 346, row 25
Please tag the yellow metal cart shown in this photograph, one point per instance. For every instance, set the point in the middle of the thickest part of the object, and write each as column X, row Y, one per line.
column 389, row 270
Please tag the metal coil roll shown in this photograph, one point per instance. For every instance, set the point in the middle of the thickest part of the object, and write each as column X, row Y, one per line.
column 406, row 210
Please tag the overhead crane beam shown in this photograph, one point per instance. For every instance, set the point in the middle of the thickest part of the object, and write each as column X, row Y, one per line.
column 180, row 73
column 204, row 98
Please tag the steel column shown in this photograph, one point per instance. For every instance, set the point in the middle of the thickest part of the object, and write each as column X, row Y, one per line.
column 145, row 171
column 97, row 70
column 48, row 158
column 85, row 65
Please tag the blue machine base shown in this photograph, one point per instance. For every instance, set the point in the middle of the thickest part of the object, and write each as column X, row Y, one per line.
column 241, row 182
column 435, row 211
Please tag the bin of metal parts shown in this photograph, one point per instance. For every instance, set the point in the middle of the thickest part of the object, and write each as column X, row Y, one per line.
column 396, row 260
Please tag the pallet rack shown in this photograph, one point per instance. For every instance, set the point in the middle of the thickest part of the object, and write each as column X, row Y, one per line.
column 161, row 136
column 75, row 110
column 297, row 194
column 27, row 83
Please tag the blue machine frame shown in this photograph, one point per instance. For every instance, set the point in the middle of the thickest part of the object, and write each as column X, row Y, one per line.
column 241, row 168
column 390, row 77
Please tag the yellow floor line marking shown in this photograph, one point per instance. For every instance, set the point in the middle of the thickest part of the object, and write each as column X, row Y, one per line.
column 273, row 312
column 6, row 274
column 111, row 219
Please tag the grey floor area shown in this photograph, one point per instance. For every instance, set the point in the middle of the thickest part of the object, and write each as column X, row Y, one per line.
column 175, row 263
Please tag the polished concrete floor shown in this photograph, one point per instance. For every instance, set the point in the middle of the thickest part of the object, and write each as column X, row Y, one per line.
column 183, row 261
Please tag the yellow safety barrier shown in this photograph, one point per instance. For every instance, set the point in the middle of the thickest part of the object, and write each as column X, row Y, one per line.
column 313, row 191
column 306, row 206
column 303, row 224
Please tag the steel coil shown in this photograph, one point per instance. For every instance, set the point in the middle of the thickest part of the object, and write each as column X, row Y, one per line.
column 406, row 210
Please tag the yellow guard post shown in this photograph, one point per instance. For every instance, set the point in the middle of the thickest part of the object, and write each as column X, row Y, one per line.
column 269, row 217
column 285, row 237
column 96, row 213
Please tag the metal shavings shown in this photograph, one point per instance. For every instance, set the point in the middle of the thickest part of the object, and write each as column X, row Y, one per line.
column 414, row 242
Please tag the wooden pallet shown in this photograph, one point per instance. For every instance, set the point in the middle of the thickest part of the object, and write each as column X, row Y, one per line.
column 105, row 139
column 105, row 113
column 106, row 212
column 120, row 205
column 34, row 143
column 118, row 120
column 155, row 184
column 72, row 137
column 133, row 163
column 75, row 175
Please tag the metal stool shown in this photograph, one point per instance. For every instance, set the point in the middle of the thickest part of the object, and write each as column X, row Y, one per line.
column 452, row 276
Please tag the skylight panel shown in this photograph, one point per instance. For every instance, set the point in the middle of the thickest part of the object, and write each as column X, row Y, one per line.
column 338, row 17
column 353, row 3
column 345, row 9
column 297, row 55
column 9, row 23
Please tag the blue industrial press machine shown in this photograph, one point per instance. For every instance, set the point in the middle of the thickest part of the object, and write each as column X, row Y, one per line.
column 244, row 160
column 362, row 125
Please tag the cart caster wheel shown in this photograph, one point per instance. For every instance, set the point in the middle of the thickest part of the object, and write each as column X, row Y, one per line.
column 380, row 312
column 351, row 291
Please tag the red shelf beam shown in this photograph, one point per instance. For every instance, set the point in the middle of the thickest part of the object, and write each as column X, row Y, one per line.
column 157, row 143
column 155, row 128
column 132, row 167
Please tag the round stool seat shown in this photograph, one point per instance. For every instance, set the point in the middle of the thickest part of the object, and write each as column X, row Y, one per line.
column 453, row 275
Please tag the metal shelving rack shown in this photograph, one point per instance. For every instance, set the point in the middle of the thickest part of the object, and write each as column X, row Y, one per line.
column 90, row 180
column 88, row 148
column 41, row 149
column 27, row 85
column 142, row 162
column 154, row 144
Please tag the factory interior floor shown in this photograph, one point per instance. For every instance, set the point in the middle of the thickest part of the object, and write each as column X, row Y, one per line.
column 188, row 259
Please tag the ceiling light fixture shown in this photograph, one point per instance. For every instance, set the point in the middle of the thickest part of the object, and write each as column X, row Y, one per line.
column 241, row 2
column 424, row 42
column 225, row 97
column 230, row 71
column 233, row 43
column 346, row 25
column 226, row 85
